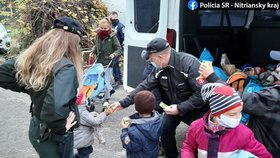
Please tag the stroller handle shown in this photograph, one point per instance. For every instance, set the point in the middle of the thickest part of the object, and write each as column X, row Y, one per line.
column 108, row 65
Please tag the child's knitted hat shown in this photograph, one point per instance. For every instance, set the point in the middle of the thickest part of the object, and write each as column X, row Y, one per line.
column 221, row 98
column 144, row 102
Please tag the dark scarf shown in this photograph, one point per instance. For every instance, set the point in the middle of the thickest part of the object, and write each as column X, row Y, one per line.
column 213, row 140
column 104, row 34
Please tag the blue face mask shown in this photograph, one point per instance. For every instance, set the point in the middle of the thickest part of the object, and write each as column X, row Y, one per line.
column 228, row 122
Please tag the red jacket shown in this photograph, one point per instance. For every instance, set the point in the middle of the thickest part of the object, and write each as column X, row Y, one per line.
column 230, row 141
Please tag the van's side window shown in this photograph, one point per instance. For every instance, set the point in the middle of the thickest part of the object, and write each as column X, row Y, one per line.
column 146, row 13
column 212, row 18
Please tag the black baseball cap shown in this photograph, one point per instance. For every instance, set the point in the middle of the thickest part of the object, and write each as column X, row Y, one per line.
column 154, row 46
column 69, row 24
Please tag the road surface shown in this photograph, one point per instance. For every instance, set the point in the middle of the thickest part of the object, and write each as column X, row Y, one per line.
column 15, row 117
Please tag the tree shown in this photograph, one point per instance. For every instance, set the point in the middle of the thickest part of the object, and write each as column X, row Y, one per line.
column 35, row 17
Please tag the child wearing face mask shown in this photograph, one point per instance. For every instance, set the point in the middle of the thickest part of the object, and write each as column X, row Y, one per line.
column 219, row 133
column 107, row 47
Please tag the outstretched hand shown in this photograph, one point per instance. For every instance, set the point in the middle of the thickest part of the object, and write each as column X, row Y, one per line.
column 69, row 121
column 205, row 70
column 171, row 110
column 116, row 106
column 108, row 111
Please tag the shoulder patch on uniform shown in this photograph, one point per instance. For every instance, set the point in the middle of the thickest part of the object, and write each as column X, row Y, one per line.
column 126, row 140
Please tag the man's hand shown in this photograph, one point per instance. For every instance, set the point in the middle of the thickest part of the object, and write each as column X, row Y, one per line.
column 171, row 110
column 205, row 70
column 116, row 106
column 69, row 121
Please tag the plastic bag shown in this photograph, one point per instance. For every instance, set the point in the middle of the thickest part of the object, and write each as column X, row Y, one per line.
column 252, row 86
column 206, row 56
column 220, row 73
column 227, row 66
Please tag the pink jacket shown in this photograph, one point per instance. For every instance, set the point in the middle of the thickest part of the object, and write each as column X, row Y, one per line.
column 232, row 140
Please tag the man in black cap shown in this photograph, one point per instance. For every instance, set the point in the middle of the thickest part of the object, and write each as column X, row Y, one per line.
column 176, row 77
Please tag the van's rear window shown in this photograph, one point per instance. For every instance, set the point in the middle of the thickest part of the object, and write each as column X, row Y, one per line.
column 146, row 15
column 213, row 18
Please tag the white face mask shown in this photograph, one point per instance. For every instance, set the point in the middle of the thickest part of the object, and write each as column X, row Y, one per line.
column 155, row 65
column 228, row 122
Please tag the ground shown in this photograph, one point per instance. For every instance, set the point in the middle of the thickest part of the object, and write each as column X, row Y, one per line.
column 15, row 117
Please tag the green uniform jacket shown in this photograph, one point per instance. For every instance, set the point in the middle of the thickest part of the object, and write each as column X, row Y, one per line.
column 102, row 50
column 52, row 104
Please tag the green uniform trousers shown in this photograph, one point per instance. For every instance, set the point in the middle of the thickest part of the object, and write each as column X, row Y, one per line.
column 50, row 148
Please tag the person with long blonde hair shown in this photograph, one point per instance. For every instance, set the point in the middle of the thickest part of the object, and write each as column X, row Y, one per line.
column 50, row 71
column 107, row 47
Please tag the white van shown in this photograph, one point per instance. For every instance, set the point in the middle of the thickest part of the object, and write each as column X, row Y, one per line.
column 246, row 36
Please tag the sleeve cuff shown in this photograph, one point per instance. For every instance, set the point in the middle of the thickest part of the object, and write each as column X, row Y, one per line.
column 212, row 78
column 124, row 130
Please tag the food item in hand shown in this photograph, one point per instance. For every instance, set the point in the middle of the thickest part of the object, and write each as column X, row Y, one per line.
column 106, row 105
column 162, row 105
column 126, row 121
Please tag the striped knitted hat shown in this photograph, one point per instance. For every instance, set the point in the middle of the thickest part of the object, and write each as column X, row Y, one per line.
column 221, row 98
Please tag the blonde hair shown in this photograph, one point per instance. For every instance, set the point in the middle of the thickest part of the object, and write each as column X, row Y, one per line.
column 105, row 21
column 34, row 65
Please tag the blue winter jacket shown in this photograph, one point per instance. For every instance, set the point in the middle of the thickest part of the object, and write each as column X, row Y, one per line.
column 119, row 27
column 143, row 136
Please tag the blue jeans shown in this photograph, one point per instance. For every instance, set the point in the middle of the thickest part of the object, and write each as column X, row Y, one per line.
column 108, row 86
column 84, row 152
column 116, row 69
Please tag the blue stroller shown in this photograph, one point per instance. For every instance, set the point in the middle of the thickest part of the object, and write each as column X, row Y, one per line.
column 94, row 82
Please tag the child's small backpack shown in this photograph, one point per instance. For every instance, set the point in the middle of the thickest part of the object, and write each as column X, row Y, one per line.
column 237, row 81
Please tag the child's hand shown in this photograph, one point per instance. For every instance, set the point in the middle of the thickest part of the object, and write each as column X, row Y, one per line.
column 108, row 111
column 205, row 70
column 124, row 125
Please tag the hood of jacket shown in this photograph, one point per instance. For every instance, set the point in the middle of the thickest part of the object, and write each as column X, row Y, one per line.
column 150, row 127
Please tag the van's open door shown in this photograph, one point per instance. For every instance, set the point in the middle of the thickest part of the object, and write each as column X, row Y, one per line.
column 146, row 19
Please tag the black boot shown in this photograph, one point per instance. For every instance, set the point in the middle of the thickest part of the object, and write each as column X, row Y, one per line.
column 112, row 92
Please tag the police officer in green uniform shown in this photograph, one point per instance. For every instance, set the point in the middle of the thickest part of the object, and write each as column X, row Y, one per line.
column 50, row 71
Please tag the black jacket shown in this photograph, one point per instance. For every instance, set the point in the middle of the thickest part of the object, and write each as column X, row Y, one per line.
column 264, row 110
column 178, row 85
column 52, row 104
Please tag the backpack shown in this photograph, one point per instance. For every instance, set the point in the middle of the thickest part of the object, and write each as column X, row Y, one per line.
column 237, row 81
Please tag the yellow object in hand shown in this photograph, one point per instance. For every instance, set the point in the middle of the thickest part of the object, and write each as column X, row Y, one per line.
column 126, row 120
column 207, row 62
column 162, row 105
column 106, row 105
